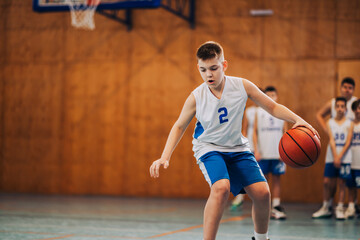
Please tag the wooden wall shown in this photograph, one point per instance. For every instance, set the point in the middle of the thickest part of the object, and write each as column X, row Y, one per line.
column 86, row 112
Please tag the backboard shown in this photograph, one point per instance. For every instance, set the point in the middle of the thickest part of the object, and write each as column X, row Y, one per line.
column 61, row 5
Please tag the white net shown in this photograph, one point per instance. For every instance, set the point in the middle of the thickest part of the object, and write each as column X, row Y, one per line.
column 82, row 13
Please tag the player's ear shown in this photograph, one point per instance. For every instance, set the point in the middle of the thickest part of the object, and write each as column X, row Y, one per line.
column 225, row 65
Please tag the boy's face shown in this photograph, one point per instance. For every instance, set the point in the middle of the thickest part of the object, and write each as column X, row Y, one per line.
column 347, row 90
column 357, row 113
column 273, row 95
column 212, row 71
column 340, row 108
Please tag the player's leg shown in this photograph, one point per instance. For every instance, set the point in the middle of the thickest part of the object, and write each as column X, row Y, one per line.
column 215, row 172
column 329, row 190
column 259, row 193
column 277, row 169
column 351, row 185
column 214, row 207
column 245, row 173
column 345, row 173
column 340, row 210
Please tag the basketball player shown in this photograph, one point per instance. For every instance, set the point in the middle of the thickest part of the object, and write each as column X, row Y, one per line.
column 338, row 160
column 328, row 110
column 353, row 183
column 267, row 134
column 222, row 153
column 248, row 129
column 347, row 88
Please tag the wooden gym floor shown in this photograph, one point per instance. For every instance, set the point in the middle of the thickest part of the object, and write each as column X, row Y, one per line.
column 24, row 217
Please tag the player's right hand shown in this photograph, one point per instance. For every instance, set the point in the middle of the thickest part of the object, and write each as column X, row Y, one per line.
column 155, row 167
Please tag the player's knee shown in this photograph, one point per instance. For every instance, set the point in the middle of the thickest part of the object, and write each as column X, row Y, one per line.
column 264, row 195
column 327, row 182
column 221, row 188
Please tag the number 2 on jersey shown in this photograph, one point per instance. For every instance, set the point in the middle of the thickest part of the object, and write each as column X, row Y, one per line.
column 223, row 115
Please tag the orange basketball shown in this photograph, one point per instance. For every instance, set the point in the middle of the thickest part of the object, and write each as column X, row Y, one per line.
column 299, row 147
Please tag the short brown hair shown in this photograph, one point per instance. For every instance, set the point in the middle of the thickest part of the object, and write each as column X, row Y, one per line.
column 210, row 50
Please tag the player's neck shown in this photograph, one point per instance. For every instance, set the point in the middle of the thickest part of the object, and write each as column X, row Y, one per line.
column 340, row 119
column 217, row 91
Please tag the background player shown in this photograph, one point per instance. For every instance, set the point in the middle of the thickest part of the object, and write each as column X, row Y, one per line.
column 338, row 159
column 353, row 182
column 267, row 134
column 347, row 88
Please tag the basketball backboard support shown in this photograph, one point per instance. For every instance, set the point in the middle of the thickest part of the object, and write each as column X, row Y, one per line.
column 184, row 9
column 61, row 5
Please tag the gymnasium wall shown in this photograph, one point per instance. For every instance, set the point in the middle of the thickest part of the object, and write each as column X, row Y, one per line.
column 86, row 112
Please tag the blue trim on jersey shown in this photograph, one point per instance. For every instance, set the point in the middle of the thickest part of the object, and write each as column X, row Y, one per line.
column 198, row 130
column 340, row 144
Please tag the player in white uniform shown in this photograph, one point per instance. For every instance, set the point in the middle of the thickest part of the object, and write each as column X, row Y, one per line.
column 328, row 110
column 267, row 134
column 248, row 129
column 353, row 182
column 338, row 160
column 222, row 153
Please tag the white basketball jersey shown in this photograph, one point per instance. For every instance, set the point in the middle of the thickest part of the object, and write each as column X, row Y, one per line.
column 349, row 113
column 269, row 131
column 355, row 148
column 340, row 133
column 250, row 116
column 218, row 126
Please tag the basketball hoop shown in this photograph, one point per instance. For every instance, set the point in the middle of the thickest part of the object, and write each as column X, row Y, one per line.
column 82, row 13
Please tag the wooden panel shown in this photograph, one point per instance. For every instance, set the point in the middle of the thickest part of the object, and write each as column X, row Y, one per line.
column 20, row 16
column 94, row 130
column 26, row 47
column 299, row 38
column 304, row 9
column 32, row 104
column 347, row 39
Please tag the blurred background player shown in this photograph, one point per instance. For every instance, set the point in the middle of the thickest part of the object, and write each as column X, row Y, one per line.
column 353, row 183
column 338, row 160
column 347, row 88
column 248, row 130
column 268, row 131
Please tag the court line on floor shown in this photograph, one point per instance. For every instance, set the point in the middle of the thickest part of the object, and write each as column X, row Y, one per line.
column 60, row 237
column 69, row 235
column 232, row 219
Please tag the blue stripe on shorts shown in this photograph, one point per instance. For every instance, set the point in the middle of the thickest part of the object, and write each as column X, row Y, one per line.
column 241, row 168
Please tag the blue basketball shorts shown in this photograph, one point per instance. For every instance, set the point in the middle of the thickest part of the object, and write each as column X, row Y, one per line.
column 343, row 172
column 354, row 179
column 240, row 168
column 274, row 166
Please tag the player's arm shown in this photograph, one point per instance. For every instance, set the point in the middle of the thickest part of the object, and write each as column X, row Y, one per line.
column 275, row 109
column 337, row 161
column 348, row 141
column 255, row 139
column 322, row 114
column 245, row 125
column 176, row 133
